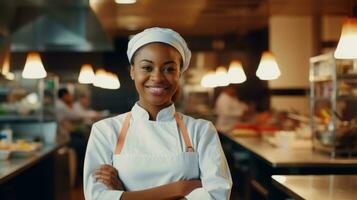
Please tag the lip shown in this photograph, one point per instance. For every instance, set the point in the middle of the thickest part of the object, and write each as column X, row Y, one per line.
column 157, row 90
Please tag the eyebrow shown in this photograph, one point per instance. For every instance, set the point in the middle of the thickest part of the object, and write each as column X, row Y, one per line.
column 167, row 62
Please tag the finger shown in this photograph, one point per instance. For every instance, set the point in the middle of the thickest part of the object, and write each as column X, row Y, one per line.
column 108, row 168
column 104, row 176
column 110, row 173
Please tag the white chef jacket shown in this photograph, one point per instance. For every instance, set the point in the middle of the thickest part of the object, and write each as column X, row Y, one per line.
column 160, row 137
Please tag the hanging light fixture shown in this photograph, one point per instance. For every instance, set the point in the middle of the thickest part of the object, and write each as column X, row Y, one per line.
column 208, row 80
column 268, row 68
column 347, row 45
column 113, row 81
column 34, row 68
column 5, row 70
column 221, row 77
column 86, row 75
column 236, row 73
column 100, row 77
column 125, row 1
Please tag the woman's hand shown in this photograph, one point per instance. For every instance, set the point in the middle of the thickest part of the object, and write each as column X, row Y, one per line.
column 108, row 175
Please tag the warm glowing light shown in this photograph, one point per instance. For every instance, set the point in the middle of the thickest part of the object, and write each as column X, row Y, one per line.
column 100, row 77
column 6, row 66
column 268, row 68
column 208, row 80
column 34, row 68
column 347, row 45
column 236, row 73
column 125, row 1
column 86, row 75
column 106, row 80
column 221, row 76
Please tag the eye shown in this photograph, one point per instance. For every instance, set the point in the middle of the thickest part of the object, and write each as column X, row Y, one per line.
column 146, row 68
column 169, row 69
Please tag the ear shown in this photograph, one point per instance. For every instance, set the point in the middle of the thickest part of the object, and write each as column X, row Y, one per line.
column 132, row 72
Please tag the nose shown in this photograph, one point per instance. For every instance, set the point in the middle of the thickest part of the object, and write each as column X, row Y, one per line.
column 157, row 75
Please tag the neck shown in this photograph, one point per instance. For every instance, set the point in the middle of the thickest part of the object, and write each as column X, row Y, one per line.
column 153, row 110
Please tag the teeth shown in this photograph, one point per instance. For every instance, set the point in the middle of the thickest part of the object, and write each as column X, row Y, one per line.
column 156, row 90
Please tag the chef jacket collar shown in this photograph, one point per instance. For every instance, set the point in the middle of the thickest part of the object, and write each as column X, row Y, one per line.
column 166, row 114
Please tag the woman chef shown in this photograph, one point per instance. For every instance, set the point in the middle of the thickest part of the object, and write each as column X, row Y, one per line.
column 154, row 152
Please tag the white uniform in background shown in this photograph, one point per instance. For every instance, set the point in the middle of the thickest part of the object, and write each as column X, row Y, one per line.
column 154, row 153
column 84, row 112
column 229, row 111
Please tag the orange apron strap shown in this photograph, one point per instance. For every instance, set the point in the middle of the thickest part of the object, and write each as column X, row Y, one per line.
column 122, row 134
column 184, row 133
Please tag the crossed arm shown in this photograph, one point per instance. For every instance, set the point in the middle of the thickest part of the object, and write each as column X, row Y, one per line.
column 108, row 175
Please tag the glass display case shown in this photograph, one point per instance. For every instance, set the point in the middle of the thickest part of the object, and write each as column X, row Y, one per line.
column 27, row 99
column 333, row 104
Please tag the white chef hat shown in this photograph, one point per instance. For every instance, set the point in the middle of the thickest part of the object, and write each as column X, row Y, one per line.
column 163, row 35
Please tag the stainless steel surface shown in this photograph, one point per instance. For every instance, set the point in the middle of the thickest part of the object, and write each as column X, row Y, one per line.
column 13, row 166
column 331, row 187
column 284, row 157
column 55, row 25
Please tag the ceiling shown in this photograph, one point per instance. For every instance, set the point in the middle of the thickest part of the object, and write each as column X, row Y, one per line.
column 206, row 17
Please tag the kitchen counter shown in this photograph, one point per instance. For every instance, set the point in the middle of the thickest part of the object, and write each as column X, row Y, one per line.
column 328, row 187
column 43, row 175
column 290, row 157
column 14, row 166
column 257, row 160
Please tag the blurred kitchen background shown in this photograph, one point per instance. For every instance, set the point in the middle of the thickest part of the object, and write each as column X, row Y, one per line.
column 298, row 92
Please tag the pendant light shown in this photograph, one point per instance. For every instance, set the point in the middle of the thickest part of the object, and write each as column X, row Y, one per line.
column 125, row 1
column 236, row 73
column 221, row 77
column 208, row 80
column 112, row 81
column 86, row 75
column 5, row 70
column 268, row 68
column 99, row 79
column 347, row 45
column 33, row 67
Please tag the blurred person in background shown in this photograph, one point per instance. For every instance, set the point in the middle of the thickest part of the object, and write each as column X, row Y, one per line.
column 229, row 109
column 68, row 120
column 82, row 108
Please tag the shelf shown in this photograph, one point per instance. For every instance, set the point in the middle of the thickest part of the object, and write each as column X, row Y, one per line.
column 321, row 78
column 340, row 98
column 347, row 76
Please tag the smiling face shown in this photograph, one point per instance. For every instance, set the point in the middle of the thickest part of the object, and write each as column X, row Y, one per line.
column 156, row 72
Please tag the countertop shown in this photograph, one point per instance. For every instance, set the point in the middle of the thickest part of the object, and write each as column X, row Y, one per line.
column 13, row 166
column 327, row 187
column 290, row 157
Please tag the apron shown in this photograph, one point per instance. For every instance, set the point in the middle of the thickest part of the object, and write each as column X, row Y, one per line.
column 139, row 172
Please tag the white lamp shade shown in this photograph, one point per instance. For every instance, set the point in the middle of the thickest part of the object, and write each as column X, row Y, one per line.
column 125, row 1
column 221, row 78
column 106, row 80
column 33, row 67
column 268, row 68
column 208, row 80
column 6, row 66
column 86, row 75
column 112, row 81
column 347, row 45
column 236, row 73
column 100, row 78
